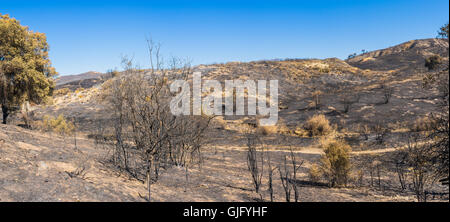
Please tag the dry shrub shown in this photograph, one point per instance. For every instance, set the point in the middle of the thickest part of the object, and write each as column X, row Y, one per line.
column 79, row 90
column 357, row 177
column 315, row 173
column 423, row 124
column 381, row 131
column 318, row 125
column 48, row 101
column 299, row 131
column 61, row 92
column 58, row 125
column 364, row 130
column 433, row 62
column 335, row 163
column 267, row 130
column 282, row 127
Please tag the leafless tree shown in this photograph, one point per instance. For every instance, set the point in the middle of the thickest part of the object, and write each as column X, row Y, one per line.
column 148, row 137
column 270, row 177
column 255, row 160
column 400, row 164
column 348, row 100
column 293, row 181
column 316, row 98
column 364, row 130
column 285, row 177
column 288, row 170
column 380, row 131
column 419, row 159
column 439, row 132
column 387, row 93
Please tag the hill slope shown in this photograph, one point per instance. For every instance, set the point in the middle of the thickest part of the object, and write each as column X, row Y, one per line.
column 406, row 56
column 39, row 166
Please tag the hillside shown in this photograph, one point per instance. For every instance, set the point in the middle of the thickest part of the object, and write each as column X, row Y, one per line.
column 83, row 80
column 407, row 56
column 33, row 162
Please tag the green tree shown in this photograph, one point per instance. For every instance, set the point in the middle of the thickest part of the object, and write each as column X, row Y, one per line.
column 443, row 32
column 26, row 73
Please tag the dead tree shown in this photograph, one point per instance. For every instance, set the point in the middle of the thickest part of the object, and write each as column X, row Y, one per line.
column 270, row 178
column 255, row 162
column 285, row 177
column 364, row 130
column 148, row 137
column 419, row 159
column 293, row 181
column 380, row 131
column 348, row 100
column 387, row 93
column 400, row 164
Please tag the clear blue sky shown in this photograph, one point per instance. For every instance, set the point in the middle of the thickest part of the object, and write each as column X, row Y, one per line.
column 93, row 35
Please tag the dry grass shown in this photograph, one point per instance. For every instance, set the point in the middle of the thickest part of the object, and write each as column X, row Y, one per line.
column 61, row 92
column 315, row 174
column 318, row 125
column 267, row 130
column 422, row 124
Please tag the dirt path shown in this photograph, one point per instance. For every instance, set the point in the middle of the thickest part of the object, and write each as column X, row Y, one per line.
column 308, row 150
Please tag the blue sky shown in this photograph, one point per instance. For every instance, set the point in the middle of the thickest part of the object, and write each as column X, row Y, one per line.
column 93, row 35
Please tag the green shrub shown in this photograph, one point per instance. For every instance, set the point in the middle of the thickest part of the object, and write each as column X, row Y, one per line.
column 335, row 163
column 58, row 125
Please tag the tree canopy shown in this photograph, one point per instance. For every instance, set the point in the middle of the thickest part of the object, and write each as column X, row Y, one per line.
column 26, row 73
column 443, row 32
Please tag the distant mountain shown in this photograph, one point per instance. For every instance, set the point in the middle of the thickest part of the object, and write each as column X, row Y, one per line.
column 406, row 56
column 83, row 80
column 62, row 80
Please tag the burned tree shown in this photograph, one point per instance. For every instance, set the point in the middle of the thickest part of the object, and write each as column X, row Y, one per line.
column 148, row 137
column 347, row 100
column 285, row 177
column 255, row 161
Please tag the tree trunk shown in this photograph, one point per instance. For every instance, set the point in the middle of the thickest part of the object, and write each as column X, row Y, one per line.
column 149, row 184
column 5, row 111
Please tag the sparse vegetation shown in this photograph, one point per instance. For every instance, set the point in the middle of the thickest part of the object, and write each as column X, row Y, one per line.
column 315, row 173
column 364, row 130
column 285, row 177
column 61, row 92
column 255, row 161
column 316, row 98
column 433, row 62
column 423, row 124
column 387, row 93
column 58, row 125
column 335, row 163
column 318, row 125
column 418, row 157
column 381, row 131
column 148, row 137
column 348, row 100
column 267, row 130
column 376, row 147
